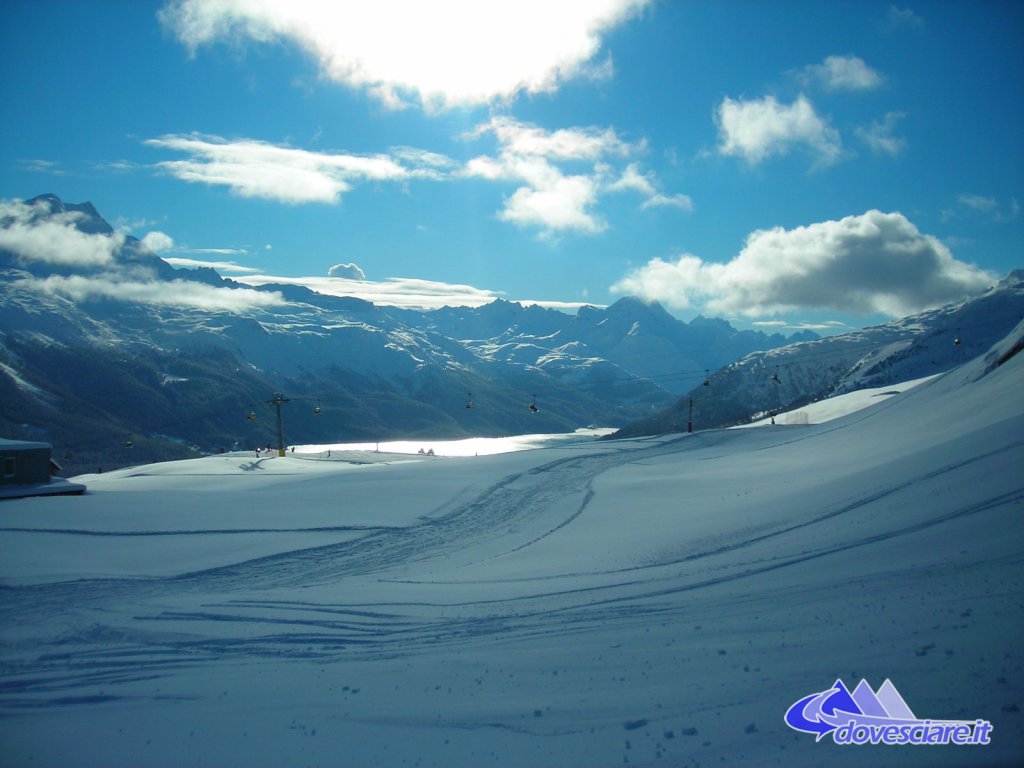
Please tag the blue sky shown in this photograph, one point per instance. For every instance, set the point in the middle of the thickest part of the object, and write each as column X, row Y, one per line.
column 782, row 165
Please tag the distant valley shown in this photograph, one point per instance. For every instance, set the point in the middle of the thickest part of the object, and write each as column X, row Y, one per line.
column 99, row 358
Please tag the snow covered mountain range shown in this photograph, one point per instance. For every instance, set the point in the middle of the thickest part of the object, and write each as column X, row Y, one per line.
column 784, row 378
column 657, row 601
column 104, row 345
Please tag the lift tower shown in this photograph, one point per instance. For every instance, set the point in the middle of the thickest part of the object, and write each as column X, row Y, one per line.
column 276, row 402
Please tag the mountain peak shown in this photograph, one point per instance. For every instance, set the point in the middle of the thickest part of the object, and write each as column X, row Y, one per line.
column 89, row 220
column 1015, row 277
column 633, row 303
column 51, row 200
column 635, row 308
column 711, row 322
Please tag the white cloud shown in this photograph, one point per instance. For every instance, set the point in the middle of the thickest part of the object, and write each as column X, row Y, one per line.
column 974, row 206
column 158, row 242
column 487, row 168
column 410, row 293
column 879, row 135
column 33, row 234
column 553, row 199
column 440, row 54
column 758, row 129
column 38, row 165
column 220, row 266
column 258, row 169
column 989, row 207
column 129, row 225
column 118, row 166
column 175, row 293
column 832, row 326
column 632, row 180
column 349, row 271
column 682, row 202
column 873, row 263
column 560, row 203
column 564, row 306
column 979, row 203
column 423, row 161
column 564, row 173
column 904, row 18
column 843, row 73
column 524, row 139
column 405, row 292
column 216, row 251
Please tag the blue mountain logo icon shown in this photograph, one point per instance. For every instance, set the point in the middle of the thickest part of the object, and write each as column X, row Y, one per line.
column 867, row 716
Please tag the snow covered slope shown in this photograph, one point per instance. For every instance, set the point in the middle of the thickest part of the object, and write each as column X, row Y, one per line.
column 790, row 376
column 655, row 601
column 837, row 406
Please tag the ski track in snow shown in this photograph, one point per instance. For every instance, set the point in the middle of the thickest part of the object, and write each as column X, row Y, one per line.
column 514, row 513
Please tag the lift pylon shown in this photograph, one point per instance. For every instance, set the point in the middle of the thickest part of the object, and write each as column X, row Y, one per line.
column 276, row 402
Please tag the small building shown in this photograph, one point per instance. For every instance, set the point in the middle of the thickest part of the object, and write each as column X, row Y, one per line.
column 28, row 469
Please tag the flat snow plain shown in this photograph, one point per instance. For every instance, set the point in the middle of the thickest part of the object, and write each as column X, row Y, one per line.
column 657, row 601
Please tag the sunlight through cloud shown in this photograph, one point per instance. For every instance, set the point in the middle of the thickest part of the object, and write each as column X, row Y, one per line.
column 439, row 54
